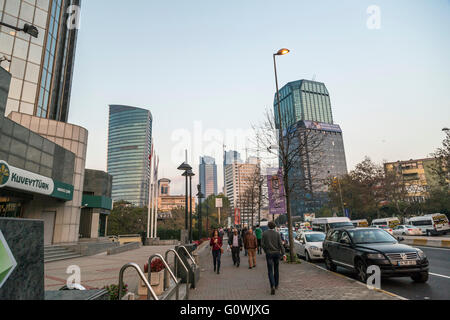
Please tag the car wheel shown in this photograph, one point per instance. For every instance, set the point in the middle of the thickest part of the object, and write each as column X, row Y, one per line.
column 361, row 269
column 421, row 277
column 328, row 263
column 308, row 258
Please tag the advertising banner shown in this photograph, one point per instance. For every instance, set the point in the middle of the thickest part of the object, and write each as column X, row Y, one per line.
column 219, row 203
column 237, row 216
column 277, row 199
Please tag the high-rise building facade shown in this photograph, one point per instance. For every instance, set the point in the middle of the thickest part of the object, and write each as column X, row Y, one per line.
column 41, row 67
column 208, row 176
column 229, row 157
column 303, row 100
column 129, row 150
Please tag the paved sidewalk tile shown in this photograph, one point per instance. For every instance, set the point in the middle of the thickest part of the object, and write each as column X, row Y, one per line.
column 297, row 282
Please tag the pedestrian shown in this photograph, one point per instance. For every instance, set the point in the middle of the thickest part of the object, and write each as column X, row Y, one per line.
column 235, row 242
column 221, row 234
column 243, row 234
column 274, row 249
column 216, row 246
column 258, row 233
column 250, row 244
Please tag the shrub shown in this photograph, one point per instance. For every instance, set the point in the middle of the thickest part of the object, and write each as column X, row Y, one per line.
column 113, row 291
column 156, row 266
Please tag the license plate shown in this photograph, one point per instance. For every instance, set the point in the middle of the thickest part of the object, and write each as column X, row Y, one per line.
column 406, row 263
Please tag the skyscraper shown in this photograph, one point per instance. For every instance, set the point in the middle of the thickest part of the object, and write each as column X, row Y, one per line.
column 229, row 157
column 41, row 67
column 303, row 100
column 306, row 107
column 129, row 149
column 208, row 176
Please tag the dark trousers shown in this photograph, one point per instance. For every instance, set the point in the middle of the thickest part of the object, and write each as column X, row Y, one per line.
column 259, row 246
column 273, row 262
column 216, row 259
column 235, row 251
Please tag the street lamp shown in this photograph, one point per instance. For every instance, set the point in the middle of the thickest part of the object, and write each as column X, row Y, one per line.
column 190, row 174
column 200, row 196
column 27, row 28
column 185, row 167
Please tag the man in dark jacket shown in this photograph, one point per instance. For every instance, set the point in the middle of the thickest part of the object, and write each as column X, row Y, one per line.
column 235, row 242
column 274, row 249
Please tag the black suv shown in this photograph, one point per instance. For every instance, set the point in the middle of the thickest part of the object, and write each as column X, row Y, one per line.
column 357, row 249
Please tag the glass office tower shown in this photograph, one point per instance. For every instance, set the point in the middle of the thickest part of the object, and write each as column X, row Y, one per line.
column 303, row 100
column 41, row 67
column 208, row 176
column 129, row 149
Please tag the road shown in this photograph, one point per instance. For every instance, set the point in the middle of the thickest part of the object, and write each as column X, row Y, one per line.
column 437, row 287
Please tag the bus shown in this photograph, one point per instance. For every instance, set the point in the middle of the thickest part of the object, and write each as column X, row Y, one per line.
column 390, row 222
column 361, row 223
column 431, row 224
column 326, row 224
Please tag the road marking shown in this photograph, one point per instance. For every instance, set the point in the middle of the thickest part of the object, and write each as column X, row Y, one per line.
column 439, row 275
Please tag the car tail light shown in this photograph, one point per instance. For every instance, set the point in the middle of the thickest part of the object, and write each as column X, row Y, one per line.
column 410, row 229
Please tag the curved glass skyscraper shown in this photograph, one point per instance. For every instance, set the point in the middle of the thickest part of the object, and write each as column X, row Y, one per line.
column 129, row 148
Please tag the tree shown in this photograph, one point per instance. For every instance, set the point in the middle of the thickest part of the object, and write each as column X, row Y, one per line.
column 442, row 166
column 127, row 219
column 297, row 146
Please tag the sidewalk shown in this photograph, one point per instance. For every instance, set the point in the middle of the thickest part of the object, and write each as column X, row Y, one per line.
column 297, row 282
column 100, row 270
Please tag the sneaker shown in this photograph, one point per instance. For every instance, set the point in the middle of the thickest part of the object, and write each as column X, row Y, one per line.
column 272, row 291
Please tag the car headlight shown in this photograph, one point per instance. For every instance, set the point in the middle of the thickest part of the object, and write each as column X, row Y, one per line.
column 375, row 256
column 421, row 254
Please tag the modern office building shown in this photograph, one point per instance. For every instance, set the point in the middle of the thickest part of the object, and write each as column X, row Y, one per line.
column 208, row 176
column 129, row 150
column 303, row 100
column 229, row 157
column 41, row 67
column 238, row 178
column 306, row 106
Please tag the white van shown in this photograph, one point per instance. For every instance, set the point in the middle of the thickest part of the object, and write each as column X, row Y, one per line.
column 363, row 223
column 326, row 224
column 390, row 222
column 431, row 224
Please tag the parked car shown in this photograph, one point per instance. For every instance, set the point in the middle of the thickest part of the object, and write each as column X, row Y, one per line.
column 407, row 230
column 390, row 222
column 432, row 224
column 387, row 229
column 356, row 249
column 285, row 238
column 309, row 245
column 326, row 224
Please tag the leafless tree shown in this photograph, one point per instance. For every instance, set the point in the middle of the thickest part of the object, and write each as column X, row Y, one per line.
column 299, row 151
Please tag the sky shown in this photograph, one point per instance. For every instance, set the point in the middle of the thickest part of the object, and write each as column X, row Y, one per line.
column 204, row 69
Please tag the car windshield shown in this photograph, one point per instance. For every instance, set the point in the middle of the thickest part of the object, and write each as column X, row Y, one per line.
column 337, row 225
column 370, row 236
column 316, row 237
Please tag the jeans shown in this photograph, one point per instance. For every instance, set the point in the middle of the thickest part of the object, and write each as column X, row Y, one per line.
column 235, row 251
column 216, row 259
column 259, row 246
column 273, row 262
column 251, row 257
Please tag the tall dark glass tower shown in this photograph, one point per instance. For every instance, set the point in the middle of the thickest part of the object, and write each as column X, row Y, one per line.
column 208, row 176
column 129, row 149
column 42, row 67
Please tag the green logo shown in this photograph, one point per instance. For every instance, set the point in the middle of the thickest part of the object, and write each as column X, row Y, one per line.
column 4, row 173
column 7, row 261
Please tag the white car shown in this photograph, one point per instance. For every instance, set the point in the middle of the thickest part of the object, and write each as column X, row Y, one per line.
column 406, row 230
column 309, row 245
column 385, row 228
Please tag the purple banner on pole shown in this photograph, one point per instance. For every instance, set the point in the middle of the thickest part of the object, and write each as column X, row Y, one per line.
column 277, row 199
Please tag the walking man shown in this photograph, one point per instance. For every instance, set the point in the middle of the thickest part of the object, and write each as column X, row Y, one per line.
column 258, row 233
column 250, row 244
column 274, row 249
column 235, row 242
column 243, row 234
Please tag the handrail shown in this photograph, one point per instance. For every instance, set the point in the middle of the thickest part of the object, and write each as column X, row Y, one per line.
column 184, row 266
column 168, row 269
column 141, row 275
column 189, row 255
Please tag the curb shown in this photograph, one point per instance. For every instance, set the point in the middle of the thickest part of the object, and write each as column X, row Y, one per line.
column 358, row 282
column 428, row 243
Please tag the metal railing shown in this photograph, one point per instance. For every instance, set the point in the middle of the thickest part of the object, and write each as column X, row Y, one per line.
column 188, row 254
column 177, row 256
column 177, row 282
column 141, row 275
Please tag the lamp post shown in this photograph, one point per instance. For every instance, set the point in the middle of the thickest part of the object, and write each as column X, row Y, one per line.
column 27, row 28
column 185, row 167
column 199, row 213
column 190, row 174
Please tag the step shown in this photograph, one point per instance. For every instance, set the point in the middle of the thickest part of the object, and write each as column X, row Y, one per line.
column 73, row 256
column 55, row 250
column 56, row 255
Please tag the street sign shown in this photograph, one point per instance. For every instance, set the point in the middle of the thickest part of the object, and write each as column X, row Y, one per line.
column 7, row 261
column 219, row 203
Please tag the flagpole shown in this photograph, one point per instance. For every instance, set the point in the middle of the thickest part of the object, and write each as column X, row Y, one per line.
column 149, row 193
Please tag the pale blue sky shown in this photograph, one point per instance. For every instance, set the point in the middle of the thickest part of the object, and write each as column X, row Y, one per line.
column 211, row 61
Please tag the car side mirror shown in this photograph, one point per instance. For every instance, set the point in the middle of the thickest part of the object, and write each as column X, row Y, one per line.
column 400, row 239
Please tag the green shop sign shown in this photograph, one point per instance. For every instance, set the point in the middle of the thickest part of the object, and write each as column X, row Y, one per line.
column 7, row 261
column 19, row 179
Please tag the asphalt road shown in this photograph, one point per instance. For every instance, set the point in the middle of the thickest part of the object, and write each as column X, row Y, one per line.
column 437, row 287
